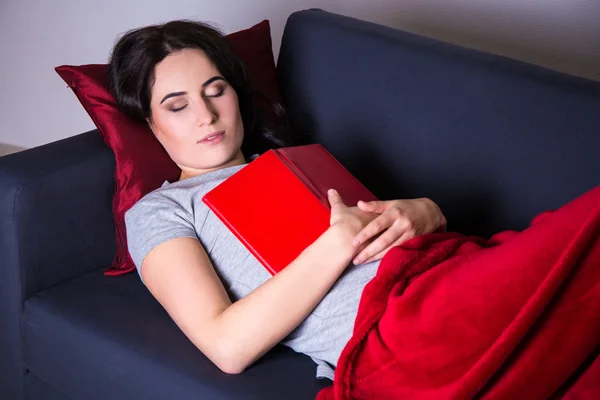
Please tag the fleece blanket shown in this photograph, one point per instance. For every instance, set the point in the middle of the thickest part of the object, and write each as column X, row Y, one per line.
column 515, row 316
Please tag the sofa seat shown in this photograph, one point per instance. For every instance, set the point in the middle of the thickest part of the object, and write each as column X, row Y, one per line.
column 98, row 337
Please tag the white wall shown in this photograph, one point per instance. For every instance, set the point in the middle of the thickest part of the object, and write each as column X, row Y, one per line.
column 37, row 35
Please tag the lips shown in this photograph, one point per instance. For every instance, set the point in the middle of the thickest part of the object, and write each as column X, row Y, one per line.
column 212, row 137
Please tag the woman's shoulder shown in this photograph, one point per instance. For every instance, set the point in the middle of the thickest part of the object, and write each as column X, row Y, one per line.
column 157, row 198
column 179, row 196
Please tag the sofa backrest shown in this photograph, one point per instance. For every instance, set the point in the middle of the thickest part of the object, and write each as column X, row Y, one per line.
column 492, row 140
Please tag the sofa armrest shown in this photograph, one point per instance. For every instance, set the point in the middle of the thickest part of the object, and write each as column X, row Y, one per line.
column 55, row 224
column 55, row 212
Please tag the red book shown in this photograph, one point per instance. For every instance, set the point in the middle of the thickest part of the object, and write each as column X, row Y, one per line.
column 277, row 205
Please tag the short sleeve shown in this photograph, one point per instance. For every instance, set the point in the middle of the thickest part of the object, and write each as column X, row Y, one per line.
column 152, row 221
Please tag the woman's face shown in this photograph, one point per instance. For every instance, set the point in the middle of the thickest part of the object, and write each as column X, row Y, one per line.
column 195, row 113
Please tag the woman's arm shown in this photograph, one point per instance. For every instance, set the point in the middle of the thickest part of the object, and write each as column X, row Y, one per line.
column 233, row 336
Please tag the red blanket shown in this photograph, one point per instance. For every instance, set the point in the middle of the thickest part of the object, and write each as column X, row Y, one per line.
column 454, row 317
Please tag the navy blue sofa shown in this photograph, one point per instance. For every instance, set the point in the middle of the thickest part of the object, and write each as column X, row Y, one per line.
column 493, row 141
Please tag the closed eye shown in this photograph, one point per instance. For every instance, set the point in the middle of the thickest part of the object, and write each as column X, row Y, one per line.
column 178, row 109
column 218, row 94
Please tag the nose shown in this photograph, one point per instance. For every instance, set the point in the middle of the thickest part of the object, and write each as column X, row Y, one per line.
column 206, row 114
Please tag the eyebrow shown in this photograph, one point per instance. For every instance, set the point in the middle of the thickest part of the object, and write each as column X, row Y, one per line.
column 205, row 84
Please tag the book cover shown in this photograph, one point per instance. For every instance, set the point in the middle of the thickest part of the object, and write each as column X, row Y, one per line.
column 277, row 204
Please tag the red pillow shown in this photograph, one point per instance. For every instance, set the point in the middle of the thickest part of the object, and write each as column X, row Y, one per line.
column 142, row 165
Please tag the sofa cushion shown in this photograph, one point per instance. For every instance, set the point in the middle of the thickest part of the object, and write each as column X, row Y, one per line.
column 493, row 141
column 142, row 165
column 37, row 389
column 99, row 337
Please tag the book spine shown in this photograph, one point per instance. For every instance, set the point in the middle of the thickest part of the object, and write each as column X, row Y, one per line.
column 322, row 197
column 335, row 160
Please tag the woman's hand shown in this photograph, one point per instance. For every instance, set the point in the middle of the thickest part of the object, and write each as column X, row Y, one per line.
column 398, row 221
column 350, row 220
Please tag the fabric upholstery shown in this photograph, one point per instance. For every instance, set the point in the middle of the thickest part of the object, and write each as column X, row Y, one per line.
column 99, row 337
column 37, row 389
column 55, row 225
column 493, row 141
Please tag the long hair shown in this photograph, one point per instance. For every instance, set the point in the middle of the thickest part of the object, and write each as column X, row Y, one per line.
column 138, row 51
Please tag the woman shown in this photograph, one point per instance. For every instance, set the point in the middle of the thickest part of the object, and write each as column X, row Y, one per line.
column 187, row 84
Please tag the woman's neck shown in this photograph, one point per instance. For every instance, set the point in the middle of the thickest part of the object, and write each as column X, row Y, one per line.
column 186, row 173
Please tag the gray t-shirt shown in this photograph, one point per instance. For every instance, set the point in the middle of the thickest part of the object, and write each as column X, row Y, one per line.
column 177, row 210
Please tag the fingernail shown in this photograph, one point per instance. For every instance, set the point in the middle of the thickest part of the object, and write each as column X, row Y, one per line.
column 356, row 242
column 357, row 260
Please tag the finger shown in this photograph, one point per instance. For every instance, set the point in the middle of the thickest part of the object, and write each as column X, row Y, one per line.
column 334, row 198
column 381, row 254
column 380, row 223
column 378, row 256
column 373, row 206
column 392, row 237
column 377, row 246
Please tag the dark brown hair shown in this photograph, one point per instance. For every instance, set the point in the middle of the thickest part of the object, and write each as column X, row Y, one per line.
column 138, row 51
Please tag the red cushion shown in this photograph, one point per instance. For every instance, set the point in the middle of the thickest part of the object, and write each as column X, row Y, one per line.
column 142, row 165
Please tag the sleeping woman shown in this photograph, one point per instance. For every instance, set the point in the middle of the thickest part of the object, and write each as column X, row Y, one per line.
column 185, row 82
